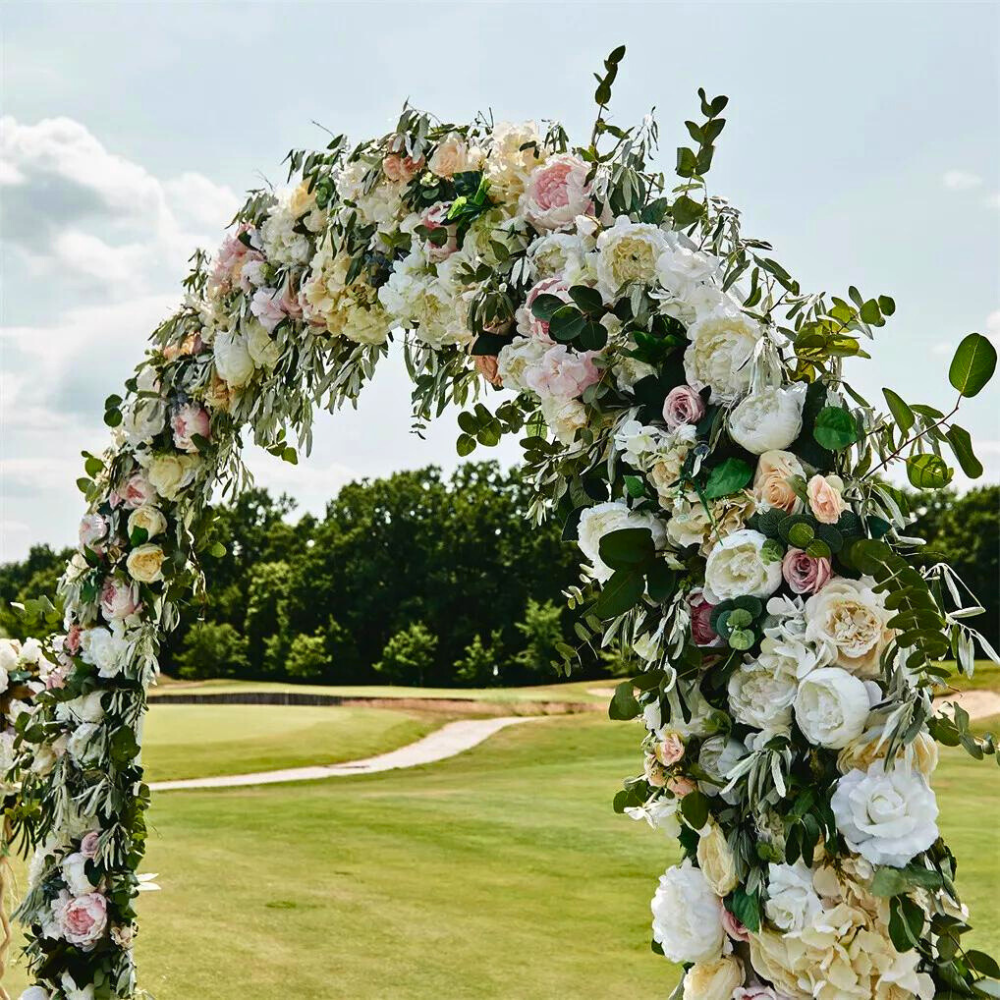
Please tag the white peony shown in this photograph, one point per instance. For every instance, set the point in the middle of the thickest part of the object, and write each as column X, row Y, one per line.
column 558, row 254
column 281, row 242
column 761, row 694
column 232, row 358
column 887, row 817
column 682, row 271
column 831, row 707
column 143, row 419
column 35, row 993
column 564, row 417
column 601, row 520
column 86, row 708
column 849, row 616
column 768, row 420
column 74, row 874
column 627, row 253
column 687, row 916
column 517, row 358
column 721, row 352
column 106, row 650
column 792, row 901
column 735, row 568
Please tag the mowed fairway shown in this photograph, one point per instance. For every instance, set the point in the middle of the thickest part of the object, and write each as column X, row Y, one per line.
column 499, row 873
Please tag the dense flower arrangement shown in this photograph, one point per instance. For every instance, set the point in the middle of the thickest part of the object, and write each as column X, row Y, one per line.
column 684, row 413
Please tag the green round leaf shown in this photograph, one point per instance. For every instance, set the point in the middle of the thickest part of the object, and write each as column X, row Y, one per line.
column 742, row 639
column 928, row 472
column 835, row 428
column 801, row 535
column 973, row 366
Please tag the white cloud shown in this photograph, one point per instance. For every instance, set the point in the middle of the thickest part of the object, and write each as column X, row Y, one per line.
column 961, row 180
column 993, row 200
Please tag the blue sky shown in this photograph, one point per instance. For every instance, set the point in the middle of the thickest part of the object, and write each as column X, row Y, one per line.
column 862, row 142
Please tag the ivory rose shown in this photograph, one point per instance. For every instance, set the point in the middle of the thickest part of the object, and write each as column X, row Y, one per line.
column 825, row 499
column 713, row 980
column 805, row 574
column 564, row 417
column 232, row 358
column 772, row 480
column 687, row 916
column 188, row 421
column 149, row 519
column 169, row 474
column 792, row 901
column 716, row 861
column 735, row 568
column 557, row 192
column 145, row 563
column 683, row 405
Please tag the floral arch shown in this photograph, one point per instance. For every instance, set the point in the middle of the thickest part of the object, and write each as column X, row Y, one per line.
column 683, row 413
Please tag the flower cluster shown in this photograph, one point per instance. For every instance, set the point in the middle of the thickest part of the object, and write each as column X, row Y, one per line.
column 688, row 421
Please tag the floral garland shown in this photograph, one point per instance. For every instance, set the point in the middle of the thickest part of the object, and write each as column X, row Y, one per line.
column 684, row 413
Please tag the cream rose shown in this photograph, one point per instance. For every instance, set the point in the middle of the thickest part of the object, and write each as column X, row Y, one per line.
column 768, row 420
column 852, row 618
column 716, row 861
column 921, row 753
column 169, row 474
column 149, row 519
column 713, row 980
column 450, row 157
column 771, row 483
column 825, row 500
column 831, row 707
column 687, row 916
column 735, row 568
column 719, row 356
column 145, row 563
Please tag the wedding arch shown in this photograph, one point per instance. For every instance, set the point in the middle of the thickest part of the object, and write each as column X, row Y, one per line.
column 683, row 412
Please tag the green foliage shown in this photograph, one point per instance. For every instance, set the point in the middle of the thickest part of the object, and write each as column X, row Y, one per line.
column 542, row 631
column 307, row 657
column 408, row 656
column 212, row 649
column 481, row 664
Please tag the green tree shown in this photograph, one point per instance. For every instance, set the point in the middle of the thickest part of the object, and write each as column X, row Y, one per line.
column 482, row 664
column 307, row 657
column 265, row 623
column 212, row 649
column 408, row 655
column 541, row 630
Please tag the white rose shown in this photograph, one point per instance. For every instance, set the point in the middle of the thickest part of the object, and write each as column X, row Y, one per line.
column 792, row 901
column 721, row 352
column 761, row 694
column 628, row 252
column 831, row 707
column 887, row 818
column 143, row 419
column 851, row 617
column 108, row 651
column 735, row 568
column 515, row 358
column 149, row 518
column 145, row 563
column 75, row 875
column 769, row 420
column 10, row 653
column 263, row 351
column 687, row 916
column 564, row 417
column 169, row 474
column 716, row 980
column 232, row 358
column 601, row 520
column 716, row 861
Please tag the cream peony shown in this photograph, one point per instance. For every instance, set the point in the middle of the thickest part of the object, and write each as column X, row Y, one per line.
column 761, row 693
column 921, row 753
column 713, row 980
column 716, row 861
column 628, row 253
column 517, row 358
column 735, row 568
column 831, row 707
column 232, row 358
column 564, row 417
column 887, row 817
column 169, row 474
column 687, row 916
column 145, row 563
column 149, row 519
column 852, row 618
column 768, row 420
column 720, row 353
column 601, row 520
column 792, row 902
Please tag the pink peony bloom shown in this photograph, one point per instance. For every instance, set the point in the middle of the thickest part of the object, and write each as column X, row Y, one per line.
column 82, row 919
column 71, row 643
column 804, row 573
column 701, row 619
column 681, row 786
column 401, row 168
column 733, row 927
column 118, row 598
column 55, row 677
column 88, row 845
column 670, row 750
column 758, row 992
column 233, row 254
column 557, row 192
column 136, row 492
column 93, row 528
column 266, row 306
column 437, row 218
column 683, row 405
column 562, row 373
column 188, row 420
column 527, row 322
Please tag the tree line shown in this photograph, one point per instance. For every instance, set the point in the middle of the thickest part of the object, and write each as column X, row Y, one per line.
column 421, row 579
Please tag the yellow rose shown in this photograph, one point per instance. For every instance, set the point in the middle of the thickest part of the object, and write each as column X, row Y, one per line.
column 716, row 861
column 145, row 563
column 716, row 980
column 149, row 518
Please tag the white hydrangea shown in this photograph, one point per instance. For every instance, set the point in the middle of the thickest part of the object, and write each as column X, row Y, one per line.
column 281, row 243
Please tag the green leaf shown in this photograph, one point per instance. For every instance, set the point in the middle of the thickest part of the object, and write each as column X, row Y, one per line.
column 465, row 445
column 893, row 881
column 588, row 299
column 545, row 306
column 218, row 550
column 623, row 591
column 973, row 365
column 661, row 581
column 290, row 455
column 727, row 477
column 566, row 323
column 835, row 428
column 627, row 547
column 746, row 908
column 635, row 486
column 961, row 445
column 900, row 411
column 623, row 705
column 801, row 535
column 928, row 472
column 694, row 808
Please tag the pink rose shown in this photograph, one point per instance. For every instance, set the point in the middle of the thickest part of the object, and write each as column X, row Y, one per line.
column 118, row 598
column 680, row 786
column 670, row 750
column 562, row 373
column 291, row 304
column 825, row 500
column 557, row 192
column 682, row 406
column 72, row 641
column 82, row 919
column 401, row 168
column 188, row 420
column 527, row 322
column 233, row 254
column 804, row 573
column 701, row 619
column 93, row 528
column 137, row 491
column 88, row 845
column 266, row 306
column 486, row 365
column 437, row 218
column 733, row 927
column 55, row 677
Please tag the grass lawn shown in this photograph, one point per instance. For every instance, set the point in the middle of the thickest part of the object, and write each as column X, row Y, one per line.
column 195, row 741
column 500, row 873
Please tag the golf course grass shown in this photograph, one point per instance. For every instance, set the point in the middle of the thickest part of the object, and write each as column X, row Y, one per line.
column 499, row 873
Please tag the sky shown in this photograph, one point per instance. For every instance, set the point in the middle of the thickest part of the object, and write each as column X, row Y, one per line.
column 862, row 142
